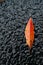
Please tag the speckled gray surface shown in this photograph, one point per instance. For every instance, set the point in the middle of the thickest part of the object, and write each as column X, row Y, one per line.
column 14, row 15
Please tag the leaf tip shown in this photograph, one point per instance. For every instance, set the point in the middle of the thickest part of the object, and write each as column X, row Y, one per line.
column 29, row 33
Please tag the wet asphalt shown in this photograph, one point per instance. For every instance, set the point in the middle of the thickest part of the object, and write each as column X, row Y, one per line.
column 14, row 15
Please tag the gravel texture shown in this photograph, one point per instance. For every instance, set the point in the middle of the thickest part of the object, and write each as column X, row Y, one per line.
column 14, row 15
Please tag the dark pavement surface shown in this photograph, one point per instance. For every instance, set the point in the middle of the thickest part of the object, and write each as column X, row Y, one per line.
column 14, row 15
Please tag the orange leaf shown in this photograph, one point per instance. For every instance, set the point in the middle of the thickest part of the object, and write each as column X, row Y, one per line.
column 29, row 33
